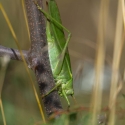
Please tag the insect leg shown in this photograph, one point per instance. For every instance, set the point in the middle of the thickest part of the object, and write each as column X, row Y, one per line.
column 65, row 96
column 54, row 88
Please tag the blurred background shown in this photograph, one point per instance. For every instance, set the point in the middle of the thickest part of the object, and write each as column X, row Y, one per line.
column 81, row 17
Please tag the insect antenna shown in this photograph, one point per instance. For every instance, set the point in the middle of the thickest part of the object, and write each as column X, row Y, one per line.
column 74, row 99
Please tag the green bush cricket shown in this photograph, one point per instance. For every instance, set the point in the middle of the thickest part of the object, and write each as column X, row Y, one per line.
column 58, row 51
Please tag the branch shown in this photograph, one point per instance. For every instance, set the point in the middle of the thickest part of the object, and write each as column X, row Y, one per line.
column 12, row 53
column 39, row 59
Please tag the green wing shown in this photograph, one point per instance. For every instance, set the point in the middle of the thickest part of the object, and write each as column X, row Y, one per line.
column 59, row 35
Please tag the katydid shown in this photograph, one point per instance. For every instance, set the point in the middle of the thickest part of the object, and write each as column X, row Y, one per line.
column 57, row 47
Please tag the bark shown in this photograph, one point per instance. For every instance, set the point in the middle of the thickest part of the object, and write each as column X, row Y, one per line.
column 39, row 59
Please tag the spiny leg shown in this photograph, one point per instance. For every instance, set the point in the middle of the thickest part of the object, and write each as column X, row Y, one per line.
column 65, row 96
column 54, row 88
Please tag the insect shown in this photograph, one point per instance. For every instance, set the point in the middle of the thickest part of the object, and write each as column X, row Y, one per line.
column 58, row 51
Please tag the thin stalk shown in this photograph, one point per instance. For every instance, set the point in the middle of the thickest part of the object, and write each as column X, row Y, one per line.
column 115, row 66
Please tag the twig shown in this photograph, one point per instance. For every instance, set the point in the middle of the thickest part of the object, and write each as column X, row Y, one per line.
column 12, row 53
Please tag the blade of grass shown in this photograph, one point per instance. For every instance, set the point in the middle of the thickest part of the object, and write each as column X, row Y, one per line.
column 123, row 11
column 25, row 18
column 4, row 62
column 2, row 110
column 115, row 66
column 99, row 65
